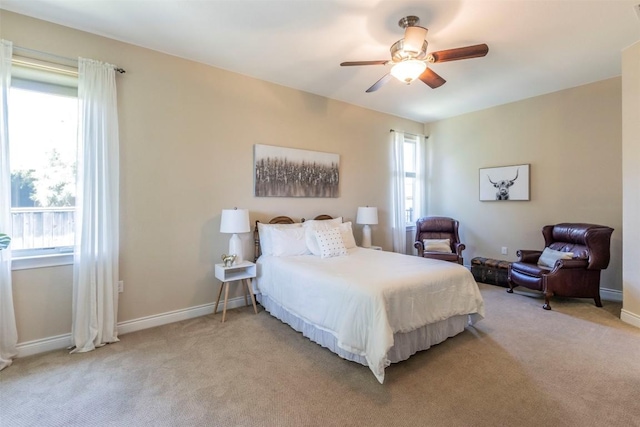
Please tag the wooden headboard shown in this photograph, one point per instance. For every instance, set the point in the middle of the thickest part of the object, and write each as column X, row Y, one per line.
column 321, row 217
column 279, row 220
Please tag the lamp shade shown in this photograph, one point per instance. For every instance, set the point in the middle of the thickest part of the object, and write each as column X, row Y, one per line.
column 409, row 70
column 235, row 221
column 367, row 215
column 414, row 39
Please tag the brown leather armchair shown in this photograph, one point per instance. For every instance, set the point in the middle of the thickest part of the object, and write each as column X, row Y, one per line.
column 577, row 277
column 439, row 227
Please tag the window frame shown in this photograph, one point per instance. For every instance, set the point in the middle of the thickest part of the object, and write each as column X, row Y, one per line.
column 56, row 82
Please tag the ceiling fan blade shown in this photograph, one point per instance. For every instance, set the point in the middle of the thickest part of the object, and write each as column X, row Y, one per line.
column 380, row 62
column 377, row 85
column 474, row 51
column 431, row 79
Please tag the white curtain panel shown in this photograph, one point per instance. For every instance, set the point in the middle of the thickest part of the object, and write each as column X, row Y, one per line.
column 8, row 331
column 95, row 269
column 399, row 226
column 421, row 179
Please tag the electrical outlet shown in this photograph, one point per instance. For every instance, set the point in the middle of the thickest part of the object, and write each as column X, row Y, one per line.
column 505, row 250
column 121, row 286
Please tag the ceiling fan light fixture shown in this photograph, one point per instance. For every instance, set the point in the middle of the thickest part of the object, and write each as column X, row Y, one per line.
column 414, row 38
column 409, row 70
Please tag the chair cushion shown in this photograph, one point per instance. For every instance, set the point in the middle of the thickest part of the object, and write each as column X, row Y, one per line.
column 441, row 255
column 529, row 269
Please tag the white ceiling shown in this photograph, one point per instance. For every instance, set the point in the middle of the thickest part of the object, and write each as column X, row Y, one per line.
column 535, row 46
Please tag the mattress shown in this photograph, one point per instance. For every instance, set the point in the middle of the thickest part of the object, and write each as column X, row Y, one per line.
column 359, row 305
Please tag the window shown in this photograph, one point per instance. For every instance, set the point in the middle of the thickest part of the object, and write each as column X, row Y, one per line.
column 410, row 177
column 43, row 116
column 407, row 185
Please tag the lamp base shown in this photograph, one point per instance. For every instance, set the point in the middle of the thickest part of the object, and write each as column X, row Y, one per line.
column 366, row 236
column 235, row 248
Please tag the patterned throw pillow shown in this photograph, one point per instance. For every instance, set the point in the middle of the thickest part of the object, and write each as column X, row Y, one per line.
column 312, row 225
column 330, row 243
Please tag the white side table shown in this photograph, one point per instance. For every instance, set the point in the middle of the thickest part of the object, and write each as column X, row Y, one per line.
column 241, row 272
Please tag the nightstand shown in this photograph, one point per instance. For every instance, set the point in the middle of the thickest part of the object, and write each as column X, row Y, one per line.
column 241, row 272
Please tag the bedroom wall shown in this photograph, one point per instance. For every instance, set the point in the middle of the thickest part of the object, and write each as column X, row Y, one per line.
column 187, row 132
column 573, row 141
column 631, row 183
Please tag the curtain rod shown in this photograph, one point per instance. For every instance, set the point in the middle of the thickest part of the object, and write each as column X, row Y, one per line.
column 69, row 61
column 408, row 133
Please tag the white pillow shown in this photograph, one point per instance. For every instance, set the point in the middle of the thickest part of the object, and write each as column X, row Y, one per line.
column 264, row 231
column 311, row 241
column 288, row 241
column 322, row 224
column 347, row 235
column 437, row 245
column 550, row 256
column 330, row 243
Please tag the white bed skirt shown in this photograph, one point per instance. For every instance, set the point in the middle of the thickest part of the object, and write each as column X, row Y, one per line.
column 405, row 344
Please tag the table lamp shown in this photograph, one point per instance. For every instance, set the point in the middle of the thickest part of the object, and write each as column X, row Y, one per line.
column 235, row 221
column 367, row 216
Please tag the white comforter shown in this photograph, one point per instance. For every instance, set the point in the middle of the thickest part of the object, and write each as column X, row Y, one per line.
column 367, row 296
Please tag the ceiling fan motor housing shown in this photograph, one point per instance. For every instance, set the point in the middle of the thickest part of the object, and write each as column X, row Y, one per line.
column 408, row 21
column 414, row 44
column 399, row 54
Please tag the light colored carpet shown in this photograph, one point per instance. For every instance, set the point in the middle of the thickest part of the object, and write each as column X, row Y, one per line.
column 577, row 365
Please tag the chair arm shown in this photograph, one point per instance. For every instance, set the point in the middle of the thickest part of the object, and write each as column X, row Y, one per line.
column 564, row 265
column 528, row 256
column 459, row 248
column 570, row 263
column 419, row 246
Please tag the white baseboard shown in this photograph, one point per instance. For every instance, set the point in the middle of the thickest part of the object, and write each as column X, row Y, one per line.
column 59, row 342
column 611, row 294
column 630, row 318
column 43, row 345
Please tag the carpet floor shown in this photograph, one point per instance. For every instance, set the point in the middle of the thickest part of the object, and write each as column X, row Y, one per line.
column 577, row 365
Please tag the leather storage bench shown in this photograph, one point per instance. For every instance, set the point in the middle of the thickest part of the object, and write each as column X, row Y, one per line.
column 491, row 271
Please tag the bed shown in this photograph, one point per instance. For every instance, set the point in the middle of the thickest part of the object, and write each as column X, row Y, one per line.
column 371, row 307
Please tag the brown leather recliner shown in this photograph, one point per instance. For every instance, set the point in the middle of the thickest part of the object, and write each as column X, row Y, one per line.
column 577, row 277
column 439, row 227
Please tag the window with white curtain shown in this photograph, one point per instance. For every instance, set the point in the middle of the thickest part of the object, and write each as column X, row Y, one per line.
column 410, row 176
column 43, row 123
column 407, row 185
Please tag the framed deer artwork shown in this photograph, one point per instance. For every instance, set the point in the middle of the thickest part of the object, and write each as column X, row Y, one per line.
column 504, row 183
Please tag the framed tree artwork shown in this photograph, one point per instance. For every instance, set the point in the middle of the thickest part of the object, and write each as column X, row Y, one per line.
column 290, row 172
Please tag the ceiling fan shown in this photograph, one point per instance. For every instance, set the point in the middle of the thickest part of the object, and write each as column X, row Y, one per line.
column 409, row 57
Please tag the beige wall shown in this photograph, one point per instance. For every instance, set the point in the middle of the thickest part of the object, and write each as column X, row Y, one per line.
column 573, row 141
column 631, row 182
column 186, row 134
